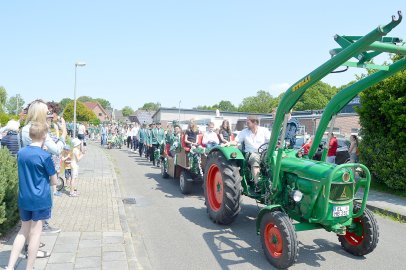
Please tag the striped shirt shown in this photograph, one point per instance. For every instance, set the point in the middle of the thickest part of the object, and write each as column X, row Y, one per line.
column 10, row 141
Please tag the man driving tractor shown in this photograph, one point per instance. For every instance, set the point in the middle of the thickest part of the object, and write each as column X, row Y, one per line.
column 252, row 138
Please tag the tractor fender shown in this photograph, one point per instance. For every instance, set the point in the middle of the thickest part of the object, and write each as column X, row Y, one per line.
column 266, row 209
column 229, row 152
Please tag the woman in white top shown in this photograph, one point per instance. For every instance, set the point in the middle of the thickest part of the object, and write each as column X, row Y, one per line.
column 38, row 112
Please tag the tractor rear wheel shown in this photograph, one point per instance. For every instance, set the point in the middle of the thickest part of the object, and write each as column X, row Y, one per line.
column 364, row 237
column 185, row 182
column 222, row 188
column 278, row 238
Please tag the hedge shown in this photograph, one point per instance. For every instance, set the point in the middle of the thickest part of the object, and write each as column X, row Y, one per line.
column 8, row 191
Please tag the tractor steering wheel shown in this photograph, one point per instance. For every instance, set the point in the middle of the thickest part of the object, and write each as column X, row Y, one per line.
column 263, row 148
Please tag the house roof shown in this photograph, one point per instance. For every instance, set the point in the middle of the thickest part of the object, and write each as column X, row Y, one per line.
column 91, row 105
column 209, row 112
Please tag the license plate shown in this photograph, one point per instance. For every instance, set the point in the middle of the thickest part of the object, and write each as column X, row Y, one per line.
column 341, row 211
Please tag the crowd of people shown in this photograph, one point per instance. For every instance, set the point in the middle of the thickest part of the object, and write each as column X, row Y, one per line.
column 42, row 151
column 46, row 145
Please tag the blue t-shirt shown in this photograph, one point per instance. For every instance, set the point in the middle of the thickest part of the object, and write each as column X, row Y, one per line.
column 35, row 166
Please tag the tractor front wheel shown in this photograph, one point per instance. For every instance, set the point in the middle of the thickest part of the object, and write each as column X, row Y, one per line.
column 222, row 189
column 362, row 238
column 278, row 238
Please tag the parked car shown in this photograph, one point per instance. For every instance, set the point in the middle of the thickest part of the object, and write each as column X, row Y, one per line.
column 342, row 151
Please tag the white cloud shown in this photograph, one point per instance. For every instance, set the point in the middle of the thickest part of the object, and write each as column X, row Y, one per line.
column 276, row 88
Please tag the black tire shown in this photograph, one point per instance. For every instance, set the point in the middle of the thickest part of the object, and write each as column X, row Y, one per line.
column 278, row 239
column 360, row 245
column 164, row 173
column 60, row 183
column 185, row 182
column 224, row 204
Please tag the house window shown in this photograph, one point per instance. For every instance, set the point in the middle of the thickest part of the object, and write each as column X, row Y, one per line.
column 354, row 130
column 100, row 114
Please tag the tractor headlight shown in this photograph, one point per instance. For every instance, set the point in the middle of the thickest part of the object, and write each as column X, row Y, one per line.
column 233, row 155
column 346, row 177
column 297, row 195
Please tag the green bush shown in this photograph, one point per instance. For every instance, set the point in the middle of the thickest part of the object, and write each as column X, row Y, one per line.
column 8, row 191
column 383, row 120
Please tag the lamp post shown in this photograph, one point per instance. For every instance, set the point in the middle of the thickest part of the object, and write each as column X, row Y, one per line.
column 77, row 64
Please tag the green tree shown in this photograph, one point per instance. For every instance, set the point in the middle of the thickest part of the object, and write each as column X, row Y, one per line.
column 383, row 120
column 127, row 111
column 64, row 102
column 151, row 106
column 316, row 97
column 3, row 98
column 83, row 113
column 85, row 99
column 263, row 102
column 15, row 104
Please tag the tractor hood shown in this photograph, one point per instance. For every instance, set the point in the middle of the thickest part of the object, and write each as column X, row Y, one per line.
column 306, row 168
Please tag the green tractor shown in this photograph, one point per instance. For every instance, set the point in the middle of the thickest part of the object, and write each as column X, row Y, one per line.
column 300, row 193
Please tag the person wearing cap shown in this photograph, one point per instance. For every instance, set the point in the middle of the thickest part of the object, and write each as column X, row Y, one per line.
column 76, row 157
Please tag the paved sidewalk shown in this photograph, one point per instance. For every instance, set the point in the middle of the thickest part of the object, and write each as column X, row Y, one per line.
column 391, row 204
column 94, row 234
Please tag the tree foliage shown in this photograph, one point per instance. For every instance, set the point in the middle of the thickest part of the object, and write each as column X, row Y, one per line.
column 64, row 102
column 263, row 102
column 15, row 104
column 127, row 111
column 383, row 120
column 8, row 191
column 83, row 113
column 223, row 105
column 316, row 97
column 151, row 106
column 3, row 98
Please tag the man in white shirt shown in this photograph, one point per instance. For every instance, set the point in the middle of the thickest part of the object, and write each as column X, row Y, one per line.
column 210, row 138
column 253, row 137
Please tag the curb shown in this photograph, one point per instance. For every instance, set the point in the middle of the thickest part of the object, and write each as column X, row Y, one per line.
column 132, row 261
column 401, row 217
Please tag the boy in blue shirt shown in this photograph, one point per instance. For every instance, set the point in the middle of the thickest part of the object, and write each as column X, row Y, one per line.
column 35, row 170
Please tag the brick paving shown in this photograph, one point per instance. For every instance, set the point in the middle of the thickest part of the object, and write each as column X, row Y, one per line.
column 92, row 235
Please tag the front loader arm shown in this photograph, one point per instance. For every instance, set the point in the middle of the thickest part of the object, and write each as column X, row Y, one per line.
column 293, row 94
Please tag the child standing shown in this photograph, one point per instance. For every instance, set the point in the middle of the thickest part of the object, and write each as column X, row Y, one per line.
column 76, row 157
column 35, row 172
column 67, row 159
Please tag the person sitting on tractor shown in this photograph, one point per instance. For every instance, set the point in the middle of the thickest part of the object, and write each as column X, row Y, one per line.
column 191, row 138
column 225, row 133
column 307, row 145
column 252, row 138
column 210, row 138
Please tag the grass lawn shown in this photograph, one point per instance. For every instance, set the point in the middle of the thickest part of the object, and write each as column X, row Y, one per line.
column 383, row 188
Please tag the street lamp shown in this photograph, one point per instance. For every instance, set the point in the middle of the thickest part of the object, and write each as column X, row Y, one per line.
column 77, row 64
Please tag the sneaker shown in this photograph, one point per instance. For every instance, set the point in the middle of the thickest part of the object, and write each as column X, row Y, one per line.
column 58, row 193
column 48, row 229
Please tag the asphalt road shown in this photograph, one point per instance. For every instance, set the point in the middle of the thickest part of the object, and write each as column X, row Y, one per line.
column 173, row 231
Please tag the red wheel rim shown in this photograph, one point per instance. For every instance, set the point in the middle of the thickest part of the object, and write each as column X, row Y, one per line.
column 214, row 187
column 273, row 240
column 355, row 237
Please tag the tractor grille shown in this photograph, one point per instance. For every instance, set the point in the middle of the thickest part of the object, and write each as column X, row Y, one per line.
column 341, row 192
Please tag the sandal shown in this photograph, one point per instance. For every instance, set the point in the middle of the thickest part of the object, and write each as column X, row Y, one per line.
column 43, row 254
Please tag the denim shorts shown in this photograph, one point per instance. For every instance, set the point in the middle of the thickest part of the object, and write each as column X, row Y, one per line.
column 68, row 173
column 36, row 215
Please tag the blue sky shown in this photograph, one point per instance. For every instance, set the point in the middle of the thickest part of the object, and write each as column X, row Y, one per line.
column 199, row 52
